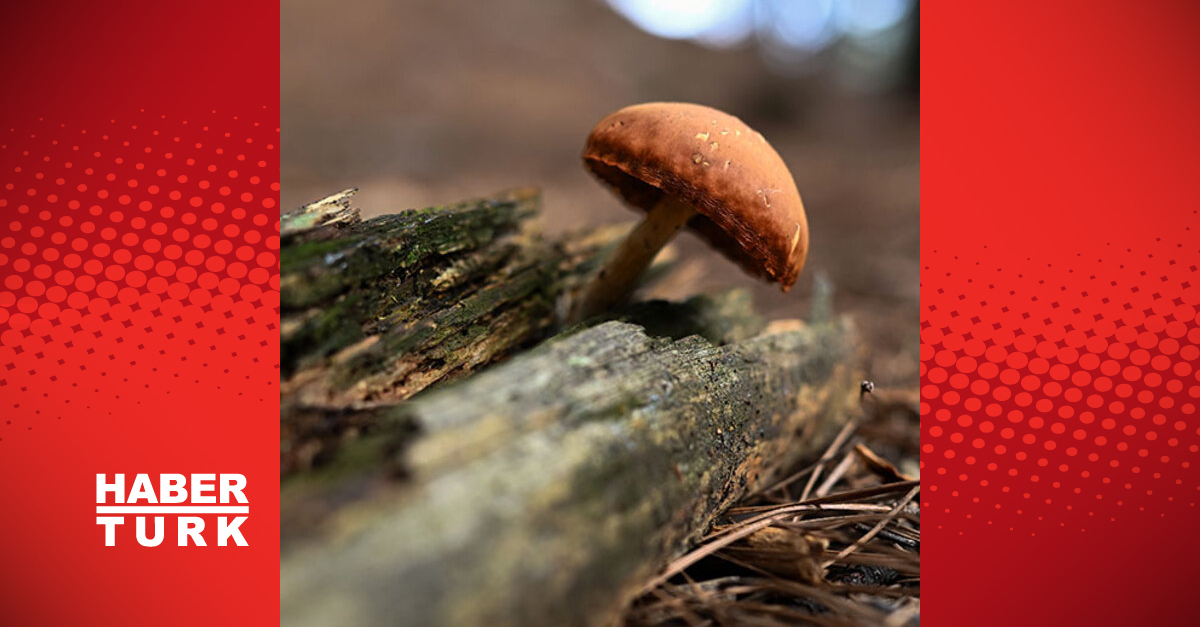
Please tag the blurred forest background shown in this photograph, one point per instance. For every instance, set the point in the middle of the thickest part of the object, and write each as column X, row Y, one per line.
column 423, row 102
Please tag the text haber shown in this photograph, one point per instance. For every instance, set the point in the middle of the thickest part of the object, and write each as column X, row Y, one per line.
column 186, row 497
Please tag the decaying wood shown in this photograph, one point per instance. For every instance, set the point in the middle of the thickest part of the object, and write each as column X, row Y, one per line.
column 377, row 310
column 358, row 297
column 548, row 488
column 542, row 491
column 334, row 210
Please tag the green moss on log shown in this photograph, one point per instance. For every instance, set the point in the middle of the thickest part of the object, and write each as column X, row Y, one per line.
column 538, row 492
column 315, row 271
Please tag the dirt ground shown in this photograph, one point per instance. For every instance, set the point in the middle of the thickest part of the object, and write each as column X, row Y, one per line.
column 425, row 102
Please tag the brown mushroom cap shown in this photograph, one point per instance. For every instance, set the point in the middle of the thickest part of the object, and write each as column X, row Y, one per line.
column 747, row 202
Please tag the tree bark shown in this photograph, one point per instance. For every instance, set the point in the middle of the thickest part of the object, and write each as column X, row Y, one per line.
column 376, row 311
column 542, row 491
column 358, row 293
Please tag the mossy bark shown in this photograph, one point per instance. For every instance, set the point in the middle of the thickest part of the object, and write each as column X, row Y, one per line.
column 377, row 310
column 354, row 280
column 541, row 491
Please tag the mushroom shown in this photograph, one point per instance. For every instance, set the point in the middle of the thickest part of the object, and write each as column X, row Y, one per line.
column 687, row 164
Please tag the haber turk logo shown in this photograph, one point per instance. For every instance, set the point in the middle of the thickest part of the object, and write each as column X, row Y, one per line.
column 191, row 501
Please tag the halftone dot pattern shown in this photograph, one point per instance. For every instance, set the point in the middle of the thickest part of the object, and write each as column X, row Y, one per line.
column 137, row 252
column 1061, row 395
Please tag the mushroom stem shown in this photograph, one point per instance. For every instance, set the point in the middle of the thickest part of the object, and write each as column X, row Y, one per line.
column 617, row 278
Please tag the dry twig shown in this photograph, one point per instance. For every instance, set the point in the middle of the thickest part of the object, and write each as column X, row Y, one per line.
column 842, row 551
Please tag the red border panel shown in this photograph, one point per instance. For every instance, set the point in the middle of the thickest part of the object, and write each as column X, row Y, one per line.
column 1060, row 338
column 138, row 301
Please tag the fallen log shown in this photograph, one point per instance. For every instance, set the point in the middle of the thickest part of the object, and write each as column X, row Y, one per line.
column 377, row 310
column 542, row 491
column 367, row 305
column 546, row 489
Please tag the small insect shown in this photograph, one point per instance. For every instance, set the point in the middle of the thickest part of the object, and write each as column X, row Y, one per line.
column 866, row 387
